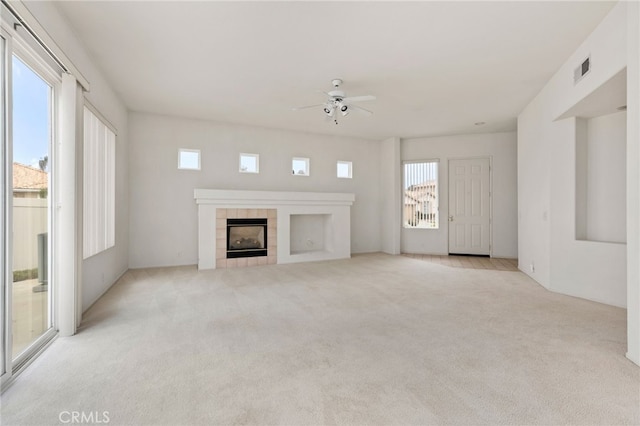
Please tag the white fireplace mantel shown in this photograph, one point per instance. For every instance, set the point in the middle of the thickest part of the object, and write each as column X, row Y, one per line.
column 225, row 197
column 301, row 216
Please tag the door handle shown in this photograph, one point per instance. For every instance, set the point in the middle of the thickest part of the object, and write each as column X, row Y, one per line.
column 450, row 218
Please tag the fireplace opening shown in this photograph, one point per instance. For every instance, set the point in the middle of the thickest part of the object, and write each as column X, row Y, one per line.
column 246, row 238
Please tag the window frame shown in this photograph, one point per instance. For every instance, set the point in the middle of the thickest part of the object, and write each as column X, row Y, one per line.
column 423, row 177
column 107, row 201
column 249, row 155
column 349, row 164
column 189, row 150
column 307, row 162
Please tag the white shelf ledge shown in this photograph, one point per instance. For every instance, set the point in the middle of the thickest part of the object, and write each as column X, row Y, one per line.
column 262, row 198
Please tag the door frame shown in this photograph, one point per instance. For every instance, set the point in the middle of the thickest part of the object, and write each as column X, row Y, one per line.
column 6, row 204
column 15, row 45
column 476, row 157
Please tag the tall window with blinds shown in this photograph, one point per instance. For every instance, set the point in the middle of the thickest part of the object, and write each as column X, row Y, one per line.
column 99, row 184
column 420, row 187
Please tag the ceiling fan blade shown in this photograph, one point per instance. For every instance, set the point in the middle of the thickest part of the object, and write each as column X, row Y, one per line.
column 359, row 98
column 360, row 109
column 305, row 107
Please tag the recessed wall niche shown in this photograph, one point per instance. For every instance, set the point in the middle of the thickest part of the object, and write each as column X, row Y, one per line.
column 311, row 233
column 600, row 154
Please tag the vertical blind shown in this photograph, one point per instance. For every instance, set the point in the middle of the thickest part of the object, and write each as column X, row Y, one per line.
column 420, row 209
column 99, row 185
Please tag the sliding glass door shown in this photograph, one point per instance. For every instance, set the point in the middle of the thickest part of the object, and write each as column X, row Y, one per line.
column 4, row 136
column 28, row 159
column 32, row 138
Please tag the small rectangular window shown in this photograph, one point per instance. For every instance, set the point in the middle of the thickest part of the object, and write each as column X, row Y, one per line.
column 300, row 166
column 249, row 163
column 189, row 159
column 420, row 205
column 344, row 169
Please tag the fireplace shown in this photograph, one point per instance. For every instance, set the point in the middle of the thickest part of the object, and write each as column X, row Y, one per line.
column 215, row 206
column 246, row 237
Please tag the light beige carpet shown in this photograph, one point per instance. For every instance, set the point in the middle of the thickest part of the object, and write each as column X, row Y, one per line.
column 375, row 339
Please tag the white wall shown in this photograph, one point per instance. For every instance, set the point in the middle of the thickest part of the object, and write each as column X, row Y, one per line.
column 501, row 148
column 547, row 178
column 633, row 182
column 534, row 235
column 163, row 220
column 391, row 196
column 102, row 270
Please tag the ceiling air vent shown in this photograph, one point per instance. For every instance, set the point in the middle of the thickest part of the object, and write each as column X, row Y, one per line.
column 582, row 70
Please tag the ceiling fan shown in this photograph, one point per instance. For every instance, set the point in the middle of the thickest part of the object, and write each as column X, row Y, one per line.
column 339, row 102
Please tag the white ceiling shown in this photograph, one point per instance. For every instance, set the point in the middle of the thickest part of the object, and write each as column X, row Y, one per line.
column 435, row 67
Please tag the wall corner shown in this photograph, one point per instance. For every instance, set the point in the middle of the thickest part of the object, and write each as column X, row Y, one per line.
column 390, row 195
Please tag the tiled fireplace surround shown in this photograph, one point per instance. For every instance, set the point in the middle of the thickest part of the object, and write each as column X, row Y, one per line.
column 301, row 226
column 221, row 237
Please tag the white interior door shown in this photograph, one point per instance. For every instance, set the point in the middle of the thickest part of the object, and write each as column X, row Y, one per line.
column 469, row 206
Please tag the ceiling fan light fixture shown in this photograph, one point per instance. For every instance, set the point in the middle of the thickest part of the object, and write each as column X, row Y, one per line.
column 344, row 109
column 329, row 109
column 338, row 101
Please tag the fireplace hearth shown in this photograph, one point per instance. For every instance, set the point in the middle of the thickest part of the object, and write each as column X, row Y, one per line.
column 246, row 237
